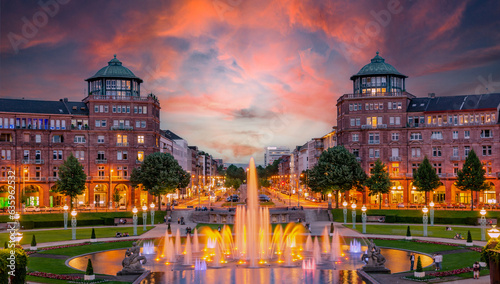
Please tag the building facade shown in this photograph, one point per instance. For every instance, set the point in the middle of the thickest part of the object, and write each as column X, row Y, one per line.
column 109, row 132
column 274, row 153
column 381, row 120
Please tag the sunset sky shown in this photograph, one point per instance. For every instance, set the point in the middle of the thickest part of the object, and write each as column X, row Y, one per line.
column 234, row 76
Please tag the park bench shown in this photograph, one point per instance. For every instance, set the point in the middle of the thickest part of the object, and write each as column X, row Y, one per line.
column 380, row 219
column 128, row 221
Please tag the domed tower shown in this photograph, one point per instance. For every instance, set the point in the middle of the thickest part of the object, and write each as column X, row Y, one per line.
column 114, row 80
column 378, row 78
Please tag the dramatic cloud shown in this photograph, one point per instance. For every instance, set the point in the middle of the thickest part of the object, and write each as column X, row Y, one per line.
column 236, row 76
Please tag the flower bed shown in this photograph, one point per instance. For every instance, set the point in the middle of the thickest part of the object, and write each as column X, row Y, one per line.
column 450, row 272
column 53, row 276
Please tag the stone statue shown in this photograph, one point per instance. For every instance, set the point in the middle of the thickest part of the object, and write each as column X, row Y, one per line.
column 132, row 261
column 376, row 260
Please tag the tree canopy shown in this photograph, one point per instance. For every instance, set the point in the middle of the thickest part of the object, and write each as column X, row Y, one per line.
column 471, row 176
column 379, row 181
column 159, row 174
column 72, row 178
column 426, row 178
column 337, row 170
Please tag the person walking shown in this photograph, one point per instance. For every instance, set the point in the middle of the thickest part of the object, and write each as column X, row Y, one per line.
column 412, row 260
column 438, row 259
column 178, row 220
column 476, row 267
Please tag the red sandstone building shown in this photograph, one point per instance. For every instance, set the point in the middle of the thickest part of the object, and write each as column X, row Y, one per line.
column 380, row 120
column 109, row 132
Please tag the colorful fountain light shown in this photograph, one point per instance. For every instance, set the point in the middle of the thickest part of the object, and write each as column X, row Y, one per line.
column 355, row 246
column 148, row 247
column 200, row 264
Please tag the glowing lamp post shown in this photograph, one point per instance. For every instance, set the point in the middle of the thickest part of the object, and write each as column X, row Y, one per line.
column 353, row 206
column 425, row 220
column 483, row 224
column 363, row 218
column 152, row 206
column 134, row 217
column 73, row 224
column 65, row 215
column 431, row 213
column 345, row 211
column 144, row 217
column 329, row 201
column 493, row 232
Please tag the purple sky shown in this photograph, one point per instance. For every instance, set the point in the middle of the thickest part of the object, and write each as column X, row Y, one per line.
column 234, row 76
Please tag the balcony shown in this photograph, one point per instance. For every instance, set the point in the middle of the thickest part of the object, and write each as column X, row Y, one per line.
column 395, row 159
column 397, row 175
column 101, row 161
column 35, row 179
column 358, row 159
column 122, row 144
column 35, row 162
column 356, row 96
column 138, row 161
column 121, row 127
column 121, row 177
column 100, row 177
column 318, row 145
column 455, row 158
column 52, row 178
column 120, row 98
column 373, row 141
column 409, row 175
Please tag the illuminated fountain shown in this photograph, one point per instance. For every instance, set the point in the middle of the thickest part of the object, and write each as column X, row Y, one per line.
column 355, row 246
column 196, row 244
column 200, row 264
column 336, row 247
column 178, row 242
column 148, row 247
column 188, row 253
column 326, row 241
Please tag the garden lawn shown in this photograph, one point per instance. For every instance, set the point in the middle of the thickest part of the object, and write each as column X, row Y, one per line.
column 418, row 231
column 43, row 236
column 450, row 261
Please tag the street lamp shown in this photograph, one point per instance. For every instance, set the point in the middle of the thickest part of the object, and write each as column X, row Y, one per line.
column 144, row 217
column 73, row 224
column 425, row 220
column 152, row 205
column 345, row 209
column 353, row 206
column 363, row 218
column 431, row 213
column 483, row 224
column 330, row 202
column 65, row 215
column 493, row 232
column 134, row 217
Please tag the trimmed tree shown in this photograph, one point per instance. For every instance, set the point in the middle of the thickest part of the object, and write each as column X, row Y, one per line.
column 92, row 235
column 159, row 174
column 426, row 178
column 337, row 170
column 469, row 237
column 33, row 241
column 379, row 181
column 408, row 233
column 72, row 178
column 419, row 265
column 471, row 176
column 116, row 197
column 90, row 269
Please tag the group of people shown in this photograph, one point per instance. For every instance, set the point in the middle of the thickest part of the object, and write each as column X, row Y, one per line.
column 438, row 260
column 119, row 235
column 188, row 230
column 458, row 236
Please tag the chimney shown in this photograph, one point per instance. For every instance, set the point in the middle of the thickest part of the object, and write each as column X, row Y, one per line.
column 65, row 100
column 432, row 95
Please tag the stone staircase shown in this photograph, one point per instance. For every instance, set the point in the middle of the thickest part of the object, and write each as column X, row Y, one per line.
column 315, row 215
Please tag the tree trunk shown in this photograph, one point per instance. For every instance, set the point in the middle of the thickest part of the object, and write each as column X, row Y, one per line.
column 159, row 202
column 336, row 199
column 379, row 200
column 471, row 201
column 426, row 197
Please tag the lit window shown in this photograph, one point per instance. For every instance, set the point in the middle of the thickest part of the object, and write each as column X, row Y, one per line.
column 140, row 139
column 140, row 156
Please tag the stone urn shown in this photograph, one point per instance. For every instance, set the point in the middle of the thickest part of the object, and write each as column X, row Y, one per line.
column 88, row 277
column 419, row 274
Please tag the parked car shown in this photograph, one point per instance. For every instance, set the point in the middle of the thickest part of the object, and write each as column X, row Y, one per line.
column 122, row 207
column 45, row 209
column 56, row 208
column 31, row 209
column 234, row 197
column 401, row 205
column 175, row 202
column 264, row 198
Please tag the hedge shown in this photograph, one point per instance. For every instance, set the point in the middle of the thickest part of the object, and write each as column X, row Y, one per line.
column 80, row 223
column 418, row 220
column 20, row 269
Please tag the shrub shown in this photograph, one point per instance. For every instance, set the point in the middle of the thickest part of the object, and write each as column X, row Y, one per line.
column 21, row 263
column 469, row 237
column 92, row 236
column 6, row 244
column 90, row 269
column 419, row 264
column 408, row 233
column 33, row 241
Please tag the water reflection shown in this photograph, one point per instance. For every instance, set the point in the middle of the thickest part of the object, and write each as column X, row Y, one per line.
column 251, row 276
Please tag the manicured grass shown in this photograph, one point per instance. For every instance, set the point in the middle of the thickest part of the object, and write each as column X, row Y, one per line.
column 418, row 230
column 338, row 214
column 450, row 261
column 65, row 235
column 78, row 250
column 51, row 265
column 54, row 281
column 229, row 204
